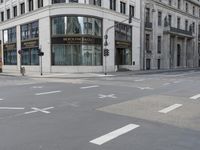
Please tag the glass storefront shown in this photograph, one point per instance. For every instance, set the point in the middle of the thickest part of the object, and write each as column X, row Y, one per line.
column 123, row 44
column 9, row 46
column 30, row 43
column 76, row 41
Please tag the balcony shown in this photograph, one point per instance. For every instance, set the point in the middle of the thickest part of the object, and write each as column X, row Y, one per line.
column 148, row 25
column 178, row 32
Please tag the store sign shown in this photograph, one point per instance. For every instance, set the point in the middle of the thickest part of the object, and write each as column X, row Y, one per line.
column 9, row 46
column 76, row 40
column 29, row 44
column 123, row 44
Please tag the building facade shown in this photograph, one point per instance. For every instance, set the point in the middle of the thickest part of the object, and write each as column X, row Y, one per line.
column 71, row 35
column 170, row 34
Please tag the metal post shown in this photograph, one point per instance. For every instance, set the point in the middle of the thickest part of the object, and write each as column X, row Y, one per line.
column 41, row 66
column 105, row 66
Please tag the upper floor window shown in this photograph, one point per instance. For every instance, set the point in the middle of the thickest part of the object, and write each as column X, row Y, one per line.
column 186, row 25
column 170, row 20
column 22, row 8
column 131, row 10
column 14, row 11
column 170, row 2
column 8, row 13
column 95, row 2
column 29, row 31
column 179, row 4
column 178, row 23
column 122, row 7
column 193, row 10
column 147, row 13
column 40, row 3
column 113, row 4
column 2, row 16
column 186, row 7
column 30, row 5
column 58, row 1
column 159, row 18
column 9, row 35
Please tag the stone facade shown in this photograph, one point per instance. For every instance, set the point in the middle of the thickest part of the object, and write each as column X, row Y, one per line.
column 11, row 16
column 170, row 34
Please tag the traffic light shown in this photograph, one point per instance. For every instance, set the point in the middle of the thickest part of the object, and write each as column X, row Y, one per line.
column 20, row 52
column 106, row 52
column 40, row 53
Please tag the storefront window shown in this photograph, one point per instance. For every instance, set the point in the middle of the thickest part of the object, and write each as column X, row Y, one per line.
column 30, row 56
column 9, row 41
column 76, row 41
column 76, row 55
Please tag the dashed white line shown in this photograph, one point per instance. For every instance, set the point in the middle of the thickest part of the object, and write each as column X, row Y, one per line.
column 170, row 108
column 195, row 96
column 11, row 108
column 45, row 93
column 89, row 87
column 114, row 134
column 107, row 96
column 145, row 88
column 1, row 99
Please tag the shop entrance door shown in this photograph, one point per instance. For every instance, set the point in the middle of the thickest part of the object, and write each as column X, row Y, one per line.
column 120, row 58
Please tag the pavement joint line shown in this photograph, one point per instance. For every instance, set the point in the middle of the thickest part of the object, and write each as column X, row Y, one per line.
column 45, row 93
column 195, row 97
column 43, row 110
column 114, row 134
column 11, row 108
column 170, row 108
column 89, row 87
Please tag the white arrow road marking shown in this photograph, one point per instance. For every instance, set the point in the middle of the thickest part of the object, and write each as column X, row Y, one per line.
column 44, row 110
column 114, row 134
column 170, row 108
column 146, row 88
column 11, row 108
column 45, row 93
column 107, row 96
column 195, row 96
column 89, row 87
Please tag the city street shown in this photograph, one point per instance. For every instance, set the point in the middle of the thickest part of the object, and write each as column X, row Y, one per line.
column 117, row 112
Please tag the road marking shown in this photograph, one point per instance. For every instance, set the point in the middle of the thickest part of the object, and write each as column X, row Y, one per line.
column 44, row 110
column 170, row 108
column 37, row 87
column 89, row 87
column 139, row 80
column 1, row 99
column 145, row 88
column 165, row 84
column 11, row 108
column 45, row 93
column 107, row 96
column 114, row 134
column 195, row 96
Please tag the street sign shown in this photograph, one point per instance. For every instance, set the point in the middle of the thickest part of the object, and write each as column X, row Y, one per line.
column 41, row 54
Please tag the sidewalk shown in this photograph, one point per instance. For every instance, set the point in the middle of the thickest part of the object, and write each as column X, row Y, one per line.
column 94, row 75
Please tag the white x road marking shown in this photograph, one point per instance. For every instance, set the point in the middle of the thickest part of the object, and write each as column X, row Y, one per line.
column 145, row 88
column 44, row 110
column 107, row 96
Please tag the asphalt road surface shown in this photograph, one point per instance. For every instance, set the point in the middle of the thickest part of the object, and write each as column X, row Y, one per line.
column 129, row 112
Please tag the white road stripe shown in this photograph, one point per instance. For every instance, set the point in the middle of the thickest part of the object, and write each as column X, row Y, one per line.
column 89, row 87
column 45, row 93
column 44, row 110
column 114, row 134
column 170, row 108
column 1, row 99
column 195, row 96
column 12, row 108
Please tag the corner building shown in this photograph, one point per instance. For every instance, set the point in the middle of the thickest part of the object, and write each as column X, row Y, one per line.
column 170, row 34
column 70, row 33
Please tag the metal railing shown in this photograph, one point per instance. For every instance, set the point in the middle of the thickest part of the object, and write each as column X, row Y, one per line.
column 180, row 31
